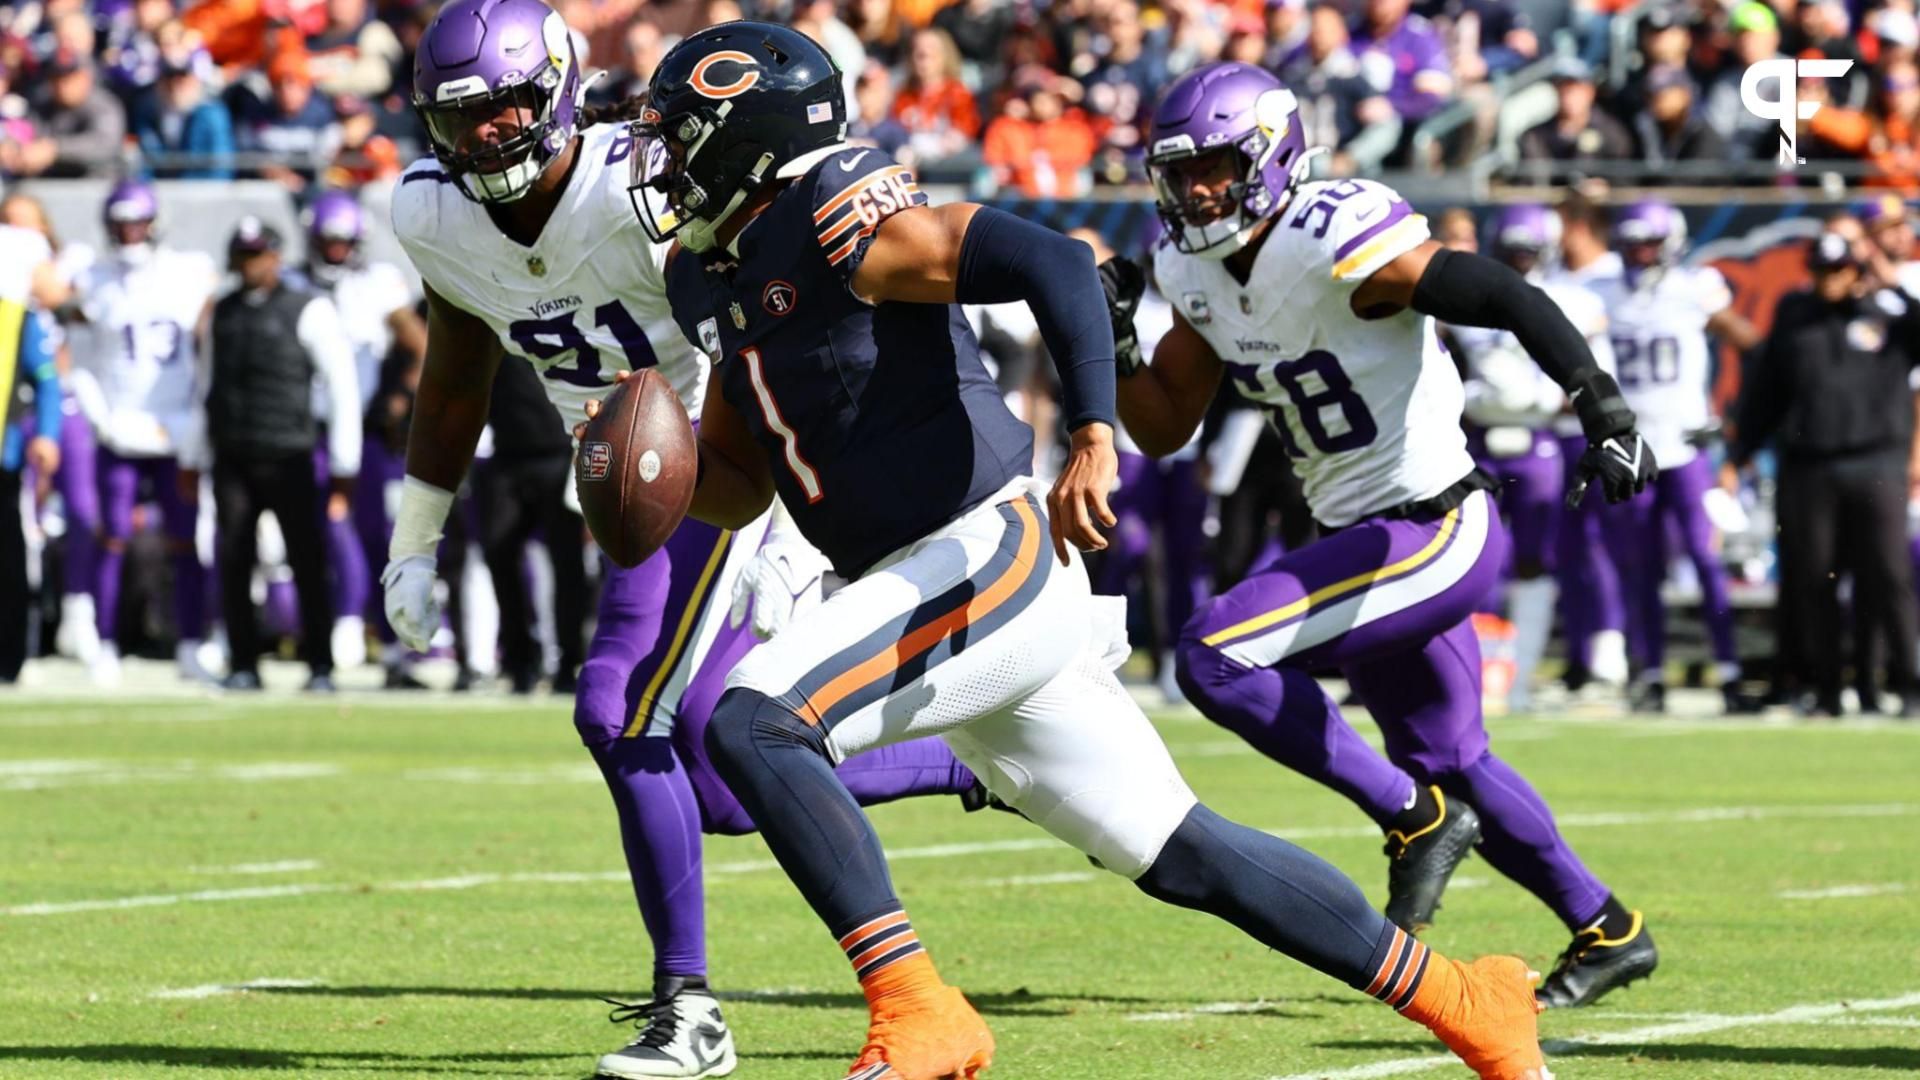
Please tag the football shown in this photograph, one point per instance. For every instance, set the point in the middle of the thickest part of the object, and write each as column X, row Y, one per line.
column 636, row 468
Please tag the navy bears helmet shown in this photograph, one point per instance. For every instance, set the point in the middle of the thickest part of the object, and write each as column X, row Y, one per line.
column 729, row 109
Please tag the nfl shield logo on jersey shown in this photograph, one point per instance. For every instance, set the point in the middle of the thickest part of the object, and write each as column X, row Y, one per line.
column 739, row 316
column 596, row 460
column 536, row 266
column 1246, row 304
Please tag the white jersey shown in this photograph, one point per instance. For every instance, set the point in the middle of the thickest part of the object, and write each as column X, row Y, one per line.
column 1608, row 265
column 140, row 349
column 1658, row 323
column 366, row 297
column 586, row 300
column 1505, row 387
column 1369, row 409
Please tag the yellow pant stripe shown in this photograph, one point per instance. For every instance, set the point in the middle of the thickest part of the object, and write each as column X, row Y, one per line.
column 681, row 635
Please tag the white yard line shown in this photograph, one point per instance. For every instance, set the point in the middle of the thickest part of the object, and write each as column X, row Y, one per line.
column 195, row 993
column 1074, row 878
column 1695, row 815
column 1652, row 1033
column 37, row 774
column 1842, row 892
column 1211, row 1008
column 283, row 866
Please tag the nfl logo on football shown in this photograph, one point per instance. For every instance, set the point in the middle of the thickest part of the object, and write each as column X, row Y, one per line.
column 596, row 460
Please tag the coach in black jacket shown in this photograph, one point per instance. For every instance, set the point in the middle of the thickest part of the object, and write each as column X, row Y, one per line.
column 1830, row 388
column 271, row 340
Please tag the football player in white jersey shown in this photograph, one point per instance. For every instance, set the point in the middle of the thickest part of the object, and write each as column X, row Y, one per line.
column 376, row 309
column 520, row 226
column 137, row 378
column 1659, row 314
column 1593, row 608
column 1512, row 404
column 1319, row 300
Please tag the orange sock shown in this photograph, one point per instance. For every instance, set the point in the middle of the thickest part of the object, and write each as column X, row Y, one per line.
column 888, row 958
column 1438, row 994
column 1414, row 979
column 908, row 978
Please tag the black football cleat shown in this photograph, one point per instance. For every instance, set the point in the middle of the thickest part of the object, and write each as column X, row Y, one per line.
column 1424, row 860
column 1594, row 966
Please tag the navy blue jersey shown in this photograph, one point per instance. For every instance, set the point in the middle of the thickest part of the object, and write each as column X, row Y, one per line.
column 880, row 421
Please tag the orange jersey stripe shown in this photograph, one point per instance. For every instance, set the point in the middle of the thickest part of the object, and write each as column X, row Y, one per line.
column 884, row 663
column 846, row 249
column 847, row 193
column 1386, row 966
column 859, row 934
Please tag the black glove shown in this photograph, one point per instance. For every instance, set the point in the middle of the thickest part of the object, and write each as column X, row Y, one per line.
column 1616, row 455
column 1124, row 282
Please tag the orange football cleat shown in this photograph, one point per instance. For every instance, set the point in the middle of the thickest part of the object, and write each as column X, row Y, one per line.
column 1490, row 1018
column 939, row 1037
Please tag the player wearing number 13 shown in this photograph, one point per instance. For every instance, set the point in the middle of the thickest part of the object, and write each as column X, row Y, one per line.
column 848, row 382
column 1319, row 300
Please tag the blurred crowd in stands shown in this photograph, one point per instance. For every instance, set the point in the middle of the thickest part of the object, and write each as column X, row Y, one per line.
column 1048, row 99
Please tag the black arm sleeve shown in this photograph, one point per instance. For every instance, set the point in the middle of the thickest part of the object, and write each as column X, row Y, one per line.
column 1005, row 258
column 1471, row 290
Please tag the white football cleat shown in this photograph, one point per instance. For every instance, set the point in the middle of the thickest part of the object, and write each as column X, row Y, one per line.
column 77, row 637
column 105, row 666
column 681, row 1034
column 187, row 658
column 349, row 642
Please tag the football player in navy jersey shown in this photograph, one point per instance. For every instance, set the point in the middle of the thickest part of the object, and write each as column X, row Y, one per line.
column 825, row 290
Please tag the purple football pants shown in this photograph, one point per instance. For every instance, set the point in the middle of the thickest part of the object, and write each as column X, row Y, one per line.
column 1637, row 532
column 381, row 469
column 79, row 490
column 1591, row 597
column 347, row 573
column 1162, row 496
column 1388, row 602
column 646, row 695
column 118, row 481
column 1530, row 502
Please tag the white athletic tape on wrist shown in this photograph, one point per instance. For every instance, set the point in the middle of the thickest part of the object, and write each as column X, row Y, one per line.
column 417, row 523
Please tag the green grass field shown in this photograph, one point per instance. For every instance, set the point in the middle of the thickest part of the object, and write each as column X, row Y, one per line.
column 437, row 889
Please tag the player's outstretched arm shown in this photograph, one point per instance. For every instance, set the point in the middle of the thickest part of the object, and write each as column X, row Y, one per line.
column 970, row 254
column 449, row 411
column 456, row 387
column 1466, row 289
column 1163, row 403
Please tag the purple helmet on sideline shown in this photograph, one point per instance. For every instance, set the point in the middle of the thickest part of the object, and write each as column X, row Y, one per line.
column 129, row 215
column 1650, row 225
column 503, row 68
column 335, row 225
column 1228, row 108
column 1524, row 235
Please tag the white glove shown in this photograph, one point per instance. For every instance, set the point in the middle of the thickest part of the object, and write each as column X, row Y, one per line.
column 412, row 608
column 783, row 582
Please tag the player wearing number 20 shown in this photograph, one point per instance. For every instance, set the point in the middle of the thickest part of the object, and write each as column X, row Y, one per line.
column 1659, row 314
column 1319, row 300
column 520, row 226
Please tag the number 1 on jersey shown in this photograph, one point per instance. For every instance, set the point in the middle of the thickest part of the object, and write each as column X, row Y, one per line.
column 770, row 412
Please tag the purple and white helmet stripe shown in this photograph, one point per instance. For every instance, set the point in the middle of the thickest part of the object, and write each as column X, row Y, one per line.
column 336, row 216
column 1651, row 221
column 1233, row 107
column 1525, row 229
column 485, row 60
column 130, row 202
